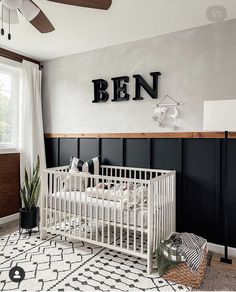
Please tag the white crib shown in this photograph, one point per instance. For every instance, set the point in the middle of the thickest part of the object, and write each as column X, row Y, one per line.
column 100, row 218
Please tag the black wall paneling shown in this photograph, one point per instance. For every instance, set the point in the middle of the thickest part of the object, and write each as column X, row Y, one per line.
column 89, row 148
column 137, row 153
column 112, row 151
column 52, row 152
column 167, row 154
column 201, row 187
column 198, row 164
column 67, row 148
column 229, row 193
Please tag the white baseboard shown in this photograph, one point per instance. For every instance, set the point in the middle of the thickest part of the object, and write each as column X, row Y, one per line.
column 9, row 218
column 220, row 249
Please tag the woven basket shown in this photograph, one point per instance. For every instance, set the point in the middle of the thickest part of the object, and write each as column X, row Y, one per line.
column 182, row 274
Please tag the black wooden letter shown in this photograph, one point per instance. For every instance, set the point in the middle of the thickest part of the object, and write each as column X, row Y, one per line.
column 141, row 82
column 100, row 93
column 120, row 88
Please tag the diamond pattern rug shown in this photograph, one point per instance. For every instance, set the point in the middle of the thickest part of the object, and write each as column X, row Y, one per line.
column 62, row 265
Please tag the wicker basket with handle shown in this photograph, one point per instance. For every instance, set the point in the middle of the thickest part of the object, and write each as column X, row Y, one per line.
column 182, row 274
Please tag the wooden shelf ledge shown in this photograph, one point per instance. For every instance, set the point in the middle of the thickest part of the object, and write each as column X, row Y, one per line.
column 170, row 135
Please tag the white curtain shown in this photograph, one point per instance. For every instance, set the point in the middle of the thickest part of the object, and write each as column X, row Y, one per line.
column 31, row 122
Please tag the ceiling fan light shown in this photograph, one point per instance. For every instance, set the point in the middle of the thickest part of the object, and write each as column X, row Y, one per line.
column 9, row 15
column 12, row 4
column 29, row 10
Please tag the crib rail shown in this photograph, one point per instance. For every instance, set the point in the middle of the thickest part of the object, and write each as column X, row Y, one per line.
column 131, row 172
column 128, row 210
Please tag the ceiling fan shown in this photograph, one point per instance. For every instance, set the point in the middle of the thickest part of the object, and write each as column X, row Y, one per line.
column 11, row 8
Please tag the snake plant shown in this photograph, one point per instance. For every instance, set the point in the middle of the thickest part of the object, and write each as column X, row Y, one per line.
column 31, row 189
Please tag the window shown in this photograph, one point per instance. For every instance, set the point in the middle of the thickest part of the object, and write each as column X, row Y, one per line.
column 9, row 106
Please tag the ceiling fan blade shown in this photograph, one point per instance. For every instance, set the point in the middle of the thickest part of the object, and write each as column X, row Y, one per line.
column 29, row 10
column 42, row 23
column 97, row 4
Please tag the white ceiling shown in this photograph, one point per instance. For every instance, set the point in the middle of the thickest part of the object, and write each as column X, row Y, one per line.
column 81, row 29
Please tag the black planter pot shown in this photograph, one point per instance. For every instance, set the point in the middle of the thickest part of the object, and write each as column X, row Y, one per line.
column 29, row 219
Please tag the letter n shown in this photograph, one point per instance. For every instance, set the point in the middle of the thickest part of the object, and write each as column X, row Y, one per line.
column 141, row 82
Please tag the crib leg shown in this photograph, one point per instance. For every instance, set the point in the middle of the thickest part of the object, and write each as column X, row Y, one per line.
column 150, row 263
column 150, row 266
column 43, row 234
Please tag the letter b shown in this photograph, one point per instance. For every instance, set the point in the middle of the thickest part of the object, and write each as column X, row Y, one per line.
column 100, row 93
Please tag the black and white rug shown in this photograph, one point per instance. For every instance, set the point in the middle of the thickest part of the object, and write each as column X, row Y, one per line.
column 56, row 264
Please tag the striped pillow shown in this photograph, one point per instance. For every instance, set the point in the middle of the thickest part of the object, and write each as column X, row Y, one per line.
column 76, row 163
column 91, row 166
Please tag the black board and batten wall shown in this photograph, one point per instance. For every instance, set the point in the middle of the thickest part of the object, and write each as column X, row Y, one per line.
column 198, row 163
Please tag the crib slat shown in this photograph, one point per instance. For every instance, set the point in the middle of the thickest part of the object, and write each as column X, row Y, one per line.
column 108, row 215
column 154, row 215
column 142, row 218
column 114, row 214
column 64, row 200
column 70, row 206
column 167, row 210
column 159, row 211
column 135, row 214
column 75, row 204
column 60, row 204
column 80, row 204
column 46, row 200
column 50, row 197
column 163, row 208
column 91, row 208
column 102, row 210
column 172, row 202
column 121, row 216
column 55, row 200
column 127, row 214
column 169, row 204
column 86, row 205
column 150, row 228
column 166, row 207
column 97, row 212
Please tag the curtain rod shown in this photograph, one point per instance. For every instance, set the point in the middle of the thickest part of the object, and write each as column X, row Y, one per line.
column 17, row 57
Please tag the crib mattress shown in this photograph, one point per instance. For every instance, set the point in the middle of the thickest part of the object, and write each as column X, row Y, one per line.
column 98, row 209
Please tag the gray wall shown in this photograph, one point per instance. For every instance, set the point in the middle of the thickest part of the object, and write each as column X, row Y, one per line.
column 196, row 65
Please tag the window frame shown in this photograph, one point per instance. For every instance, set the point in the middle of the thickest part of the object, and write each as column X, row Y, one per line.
column 14, row 72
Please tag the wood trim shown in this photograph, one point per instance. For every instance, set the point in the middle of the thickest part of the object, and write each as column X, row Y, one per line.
column 196, row 135
column 232, row 135
column 16, row 57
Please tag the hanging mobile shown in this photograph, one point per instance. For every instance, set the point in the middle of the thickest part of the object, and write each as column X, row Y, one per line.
column 166, row 113
column 175, row 113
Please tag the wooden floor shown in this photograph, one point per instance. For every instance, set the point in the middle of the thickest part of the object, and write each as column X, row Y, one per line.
column 9, row 227
column 217, row 265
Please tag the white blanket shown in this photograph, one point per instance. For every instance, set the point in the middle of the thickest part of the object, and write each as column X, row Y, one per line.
column 126, row 194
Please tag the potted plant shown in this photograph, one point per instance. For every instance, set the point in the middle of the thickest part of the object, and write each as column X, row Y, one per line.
column 29, row 213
